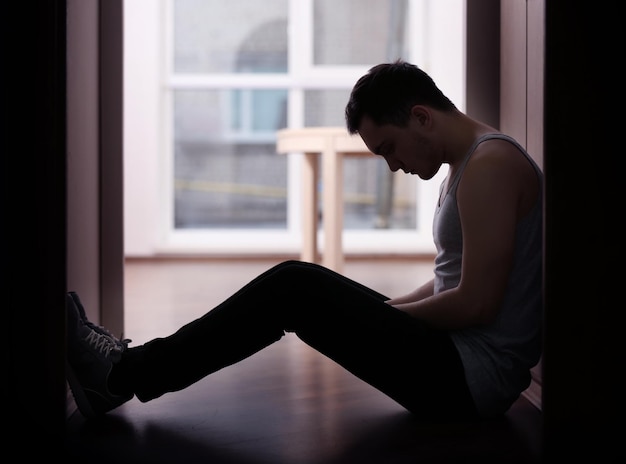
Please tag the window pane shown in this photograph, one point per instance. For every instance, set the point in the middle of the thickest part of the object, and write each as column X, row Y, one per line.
column 226, row 170
column 374, row 196
column 358, row 32
column 216, row 36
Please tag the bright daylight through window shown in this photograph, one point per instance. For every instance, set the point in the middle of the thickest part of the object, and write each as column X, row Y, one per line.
column 234, row 73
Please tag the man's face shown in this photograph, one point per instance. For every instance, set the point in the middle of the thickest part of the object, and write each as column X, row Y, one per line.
column 403, row 148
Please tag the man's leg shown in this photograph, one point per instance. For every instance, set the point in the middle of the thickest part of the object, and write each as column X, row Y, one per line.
column 289, row 295
column 344, row 320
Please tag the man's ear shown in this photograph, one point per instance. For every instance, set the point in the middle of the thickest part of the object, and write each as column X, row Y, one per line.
column 421, row 114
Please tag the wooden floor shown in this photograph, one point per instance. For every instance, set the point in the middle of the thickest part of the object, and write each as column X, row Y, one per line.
column 285, row 405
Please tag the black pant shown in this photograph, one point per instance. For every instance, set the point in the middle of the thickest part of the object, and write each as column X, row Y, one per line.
column 415, row 365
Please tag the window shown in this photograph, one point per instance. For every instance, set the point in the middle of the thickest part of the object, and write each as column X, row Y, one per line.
column 225, row 77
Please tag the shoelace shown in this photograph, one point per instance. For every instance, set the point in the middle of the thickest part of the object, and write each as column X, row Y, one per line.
column 103, row 343
column 122, row 344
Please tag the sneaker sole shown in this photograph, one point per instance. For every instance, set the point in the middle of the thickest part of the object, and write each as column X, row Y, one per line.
column 80, row 397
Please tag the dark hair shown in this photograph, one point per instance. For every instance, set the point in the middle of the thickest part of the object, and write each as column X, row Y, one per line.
column 387, row 93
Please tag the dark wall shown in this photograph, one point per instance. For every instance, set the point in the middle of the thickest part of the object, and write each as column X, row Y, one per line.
column 32, row 149
column 95, row 251
column 59, row 199
column 584, row 361
column 483, row 61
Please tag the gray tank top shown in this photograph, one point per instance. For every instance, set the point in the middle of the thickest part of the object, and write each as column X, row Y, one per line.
column 497, row 358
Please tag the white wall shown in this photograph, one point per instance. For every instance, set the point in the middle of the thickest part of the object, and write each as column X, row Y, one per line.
column 143, row 58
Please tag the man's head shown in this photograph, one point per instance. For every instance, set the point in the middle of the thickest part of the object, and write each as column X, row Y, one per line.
column 387, row 93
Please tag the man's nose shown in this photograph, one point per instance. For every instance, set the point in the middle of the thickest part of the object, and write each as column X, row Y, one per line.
column 393, row 165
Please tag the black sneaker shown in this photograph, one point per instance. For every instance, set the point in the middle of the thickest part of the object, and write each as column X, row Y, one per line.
column 91, row 353
column 72, row 298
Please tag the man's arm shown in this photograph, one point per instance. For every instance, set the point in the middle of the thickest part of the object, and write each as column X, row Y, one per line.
column 488, row 199
column 419, row 293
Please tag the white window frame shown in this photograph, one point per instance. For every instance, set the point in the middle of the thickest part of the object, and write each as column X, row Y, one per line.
column 148, row 166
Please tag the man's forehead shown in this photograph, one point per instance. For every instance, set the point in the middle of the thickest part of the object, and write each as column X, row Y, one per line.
column 372, row 134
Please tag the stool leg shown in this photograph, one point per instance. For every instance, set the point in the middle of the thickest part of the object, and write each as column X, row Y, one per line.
column 310, row 176
column 332, row 177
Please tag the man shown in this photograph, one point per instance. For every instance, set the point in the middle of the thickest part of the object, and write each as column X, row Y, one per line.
column 458, row 347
